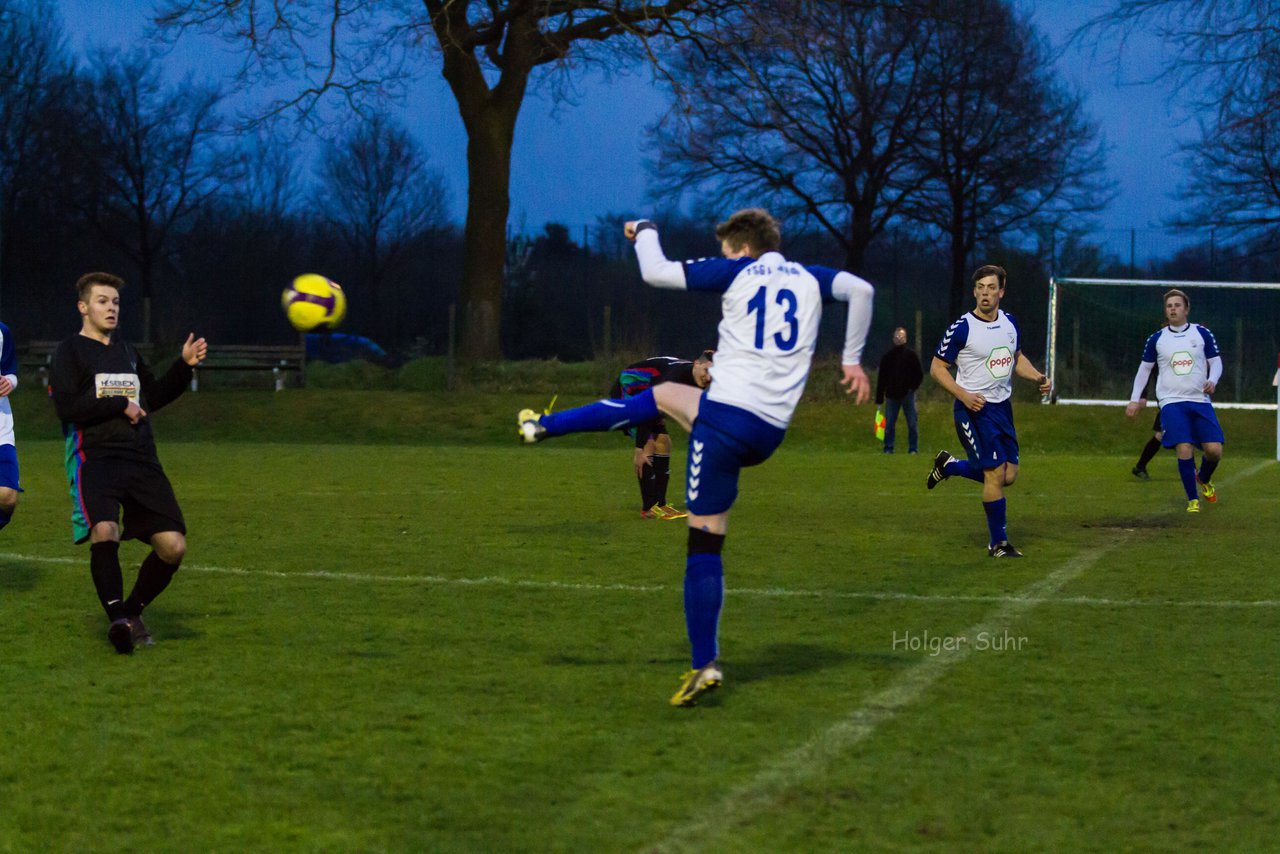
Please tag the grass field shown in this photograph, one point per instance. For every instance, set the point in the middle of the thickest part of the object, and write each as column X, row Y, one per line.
column 397, row 630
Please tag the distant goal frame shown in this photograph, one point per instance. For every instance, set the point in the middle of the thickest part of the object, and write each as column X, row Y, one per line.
column 1051, row 336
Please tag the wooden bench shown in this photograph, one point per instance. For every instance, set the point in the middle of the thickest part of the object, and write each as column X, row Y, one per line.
column 37, row 356
column 280, row 359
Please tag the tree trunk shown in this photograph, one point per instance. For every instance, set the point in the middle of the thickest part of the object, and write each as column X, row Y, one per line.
column 484, row 247
column 489, row 114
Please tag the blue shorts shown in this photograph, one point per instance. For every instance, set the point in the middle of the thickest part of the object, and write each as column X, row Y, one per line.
column 724, row 440
column 1187, row 422
column 987, row 436
column 9, row 467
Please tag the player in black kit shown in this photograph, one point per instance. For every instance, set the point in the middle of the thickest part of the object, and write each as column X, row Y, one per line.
column 104, row 391
column 652, row 459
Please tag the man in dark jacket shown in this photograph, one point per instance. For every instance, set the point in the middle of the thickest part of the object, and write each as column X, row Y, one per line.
column 899, row 377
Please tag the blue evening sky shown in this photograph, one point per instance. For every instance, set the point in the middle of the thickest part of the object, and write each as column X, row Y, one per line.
column 575, row 161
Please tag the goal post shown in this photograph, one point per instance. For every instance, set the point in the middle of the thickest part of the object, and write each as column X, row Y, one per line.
column 1097, row 329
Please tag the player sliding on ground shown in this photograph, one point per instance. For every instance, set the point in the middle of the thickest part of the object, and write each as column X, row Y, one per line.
column 985, row 346
column 769, row 328
column 1189, row 369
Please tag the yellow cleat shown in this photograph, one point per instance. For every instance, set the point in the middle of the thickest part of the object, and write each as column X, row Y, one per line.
column 529, row 423
column 1193, row 506
column 695, row 683
column 669, row 513
column 1206, row 489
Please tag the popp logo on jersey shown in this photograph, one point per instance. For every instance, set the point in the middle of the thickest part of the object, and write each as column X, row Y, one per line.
column 1181, row 363
column 1000, row 362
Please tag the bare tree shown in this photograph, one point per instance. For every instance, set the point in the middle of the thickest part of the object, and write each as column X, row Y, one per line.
column 809, row 106
column 377, row 190
column 353, row 49
column 153, row 149
column 34, row 73
column 1225, row 64
column 1005, row 146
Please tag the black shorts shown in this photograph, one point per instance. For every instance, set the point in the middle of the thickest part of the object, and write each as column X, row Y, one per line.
column 100, row 489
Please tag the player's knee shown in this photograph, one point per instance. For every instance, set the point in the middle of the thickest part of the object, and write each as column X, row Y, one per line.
column 662, row 445
column 105, row 532
column 170, row 547
column 8, row 501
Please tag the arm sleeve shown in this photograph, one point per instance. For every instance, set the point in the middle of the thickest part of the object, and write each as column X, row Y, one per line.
column 1210, row 343
column 74, row 396
column 1149, row 350
column 159, row 393
column 953, row 341
column 1140, row 380
column 859, row 294
column 1215, row 369
column 655, row 268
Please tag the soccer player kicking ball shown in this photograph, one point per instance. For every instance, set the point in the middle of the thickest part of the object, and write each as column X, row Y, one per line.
column 770, row 310
column 1189, row 369
column 985, row 348
column 103, row 390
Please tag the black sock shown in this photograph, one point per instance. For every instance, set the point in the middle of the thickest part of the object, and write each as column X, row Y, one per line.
column 153, row 577
column 104, row 566
column 1152, row 448
column 1207, row 467
column 661, row 477
column 646, row 487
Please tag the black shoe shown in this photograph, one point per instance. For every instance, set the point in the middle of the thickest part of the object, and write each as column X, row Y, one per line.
column 1003, row 549
column 121, row 635
column 141, row 637
column 1141, row 474
column 937, row 475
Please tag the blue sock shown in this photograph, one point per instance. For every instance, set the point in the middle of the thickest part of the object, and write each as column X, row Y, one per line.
column 963, row 468
column 1187, row 470
column 603, row 415
column 703, row 597
column 1207, row 467
column 995, row 520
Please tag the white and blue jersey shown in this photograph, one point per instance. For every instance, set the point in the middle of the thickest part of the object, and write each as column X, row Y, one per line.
column 1186, row 359
column 984, row 352
column 767, row 335
column 769, row 328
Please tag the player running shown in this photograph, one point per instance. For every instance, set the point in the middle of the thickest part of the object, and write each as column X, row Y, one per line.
column 652, row 458
column 770, row 310
column 103, row 391
column 985, row 348
column 1190, row 366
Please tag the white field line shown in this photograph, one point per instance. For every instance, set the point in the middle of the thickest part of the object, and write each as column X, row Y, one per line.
column 811, row 759
column 760, row 592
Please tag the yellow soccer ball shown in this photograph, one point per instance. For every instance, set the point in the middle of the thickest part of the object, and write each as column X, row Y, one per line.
column 313, row 302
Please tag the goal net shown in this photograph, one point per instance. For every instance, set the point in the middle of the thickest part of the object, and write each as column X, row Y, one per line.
column 1098, row 327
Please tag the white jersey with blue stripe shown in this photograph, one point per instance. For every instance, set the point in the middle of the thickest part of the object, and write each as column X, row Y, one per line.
column 985, row 354
column 8, row 368
column 1182, row 358
column 769, row 327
